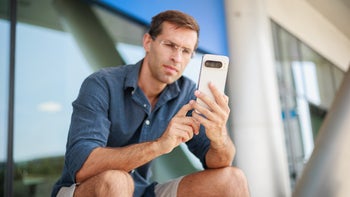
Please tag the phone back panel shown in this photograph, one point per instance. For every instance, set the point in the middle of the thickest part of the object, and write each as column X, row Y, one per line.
column 212, row 74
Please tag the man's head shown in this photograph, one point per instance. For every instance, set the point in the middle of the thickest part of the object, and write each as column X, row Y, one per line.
column 169, row 46
column 176, row 18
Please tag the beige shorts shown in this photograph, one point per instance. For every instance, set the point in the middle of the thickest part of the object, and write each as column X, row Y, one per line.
column 66, row 191
column 168, row 189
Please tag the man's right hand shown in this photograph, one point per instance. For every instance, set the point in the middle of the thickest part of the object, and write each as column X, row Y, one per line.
column 181, row 128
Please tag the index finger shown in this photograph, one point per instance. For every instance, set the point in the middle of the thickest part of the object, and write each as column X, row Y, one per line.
column 183, row 111
column 219, row 97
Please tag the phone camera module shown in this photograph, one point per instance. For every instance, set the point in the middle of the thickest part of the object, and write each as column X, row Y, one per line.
column 213, row 64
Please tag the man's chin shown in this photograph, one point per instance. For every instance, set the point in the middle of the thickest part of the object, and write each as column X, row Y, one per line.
column 168, row 79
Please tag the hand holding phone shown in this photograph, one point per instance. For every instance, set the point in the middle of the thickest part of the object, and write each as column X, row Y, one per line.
column 213, row 69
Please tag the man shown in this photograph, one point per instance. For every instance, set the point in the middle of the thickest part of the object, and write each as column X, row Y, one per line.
column 124, row 117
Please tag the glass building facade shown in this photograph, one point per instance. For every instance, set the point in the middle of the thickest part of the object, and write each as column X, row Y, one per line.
column 51, row 63
column 307, row 85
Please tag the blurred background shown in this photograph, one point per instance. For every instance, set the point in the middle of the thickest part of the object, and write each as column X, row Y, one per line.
column 288, row 60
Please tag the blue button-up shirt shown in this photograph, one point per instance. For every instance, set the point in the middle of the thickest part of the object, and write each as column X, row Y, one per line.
column 112, row 111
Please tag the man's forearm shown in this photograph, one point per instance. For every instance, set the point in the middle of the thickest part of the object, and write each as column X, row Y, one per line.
column 220, row 156
column 123, row 158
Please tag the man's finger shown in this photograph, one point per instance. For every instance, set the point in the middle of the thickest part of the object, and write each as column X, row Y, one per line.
column 183, row 111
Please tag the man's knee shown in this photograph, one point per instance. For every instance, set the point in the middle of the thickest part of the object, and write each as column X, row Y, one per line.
column 108, row 183
column 234, row 173
column 235, row 180
column 115, row 181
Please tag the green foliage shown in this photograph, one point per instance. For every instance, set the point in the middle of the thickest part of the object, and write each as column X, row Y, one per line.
column 37, row 173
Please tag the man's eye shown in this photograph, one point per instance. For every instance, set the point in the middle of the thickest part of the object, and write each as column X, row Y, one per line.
column 170, row 45
column 186, row 51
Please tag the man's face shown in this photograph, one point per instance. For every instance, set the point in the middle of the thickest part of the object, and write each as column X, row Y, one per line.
column 169, row 53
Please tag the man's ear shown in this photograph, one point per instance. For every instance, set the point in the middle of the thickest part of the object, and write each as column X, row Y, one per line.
column 147, row 39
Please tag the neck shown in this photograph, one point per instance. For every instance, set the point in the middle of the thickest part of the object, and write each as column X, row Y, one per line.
column 151, row 92
column 150, row 87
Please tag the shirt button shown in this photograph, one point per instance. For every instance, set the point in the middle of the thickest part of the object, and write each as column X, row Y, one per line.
column 147, row 122
column 144, row 105
column 132, row 92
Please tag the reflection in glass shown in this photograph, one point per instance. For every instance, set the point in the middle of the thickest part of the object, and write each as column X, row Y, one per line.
column 307, row 85
column 49, row 71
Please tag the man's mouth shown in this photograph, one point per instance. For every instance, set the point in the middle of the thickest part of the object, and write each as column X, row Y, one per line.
column 170, row 69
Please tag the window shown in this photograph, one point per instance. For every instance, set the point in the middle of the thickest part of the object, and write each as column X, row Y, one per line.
column 49, row 71
column 307, row 84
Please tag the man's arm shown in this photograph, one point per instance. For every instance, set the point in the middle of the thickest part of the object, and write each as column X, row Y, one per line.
column 180, row 129
column 123, row 158
column 221, row 151
column 220, row 155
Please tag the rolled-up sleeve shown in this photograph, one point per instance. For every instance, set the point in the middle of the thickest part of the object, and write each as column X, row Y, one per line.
column 90, row 125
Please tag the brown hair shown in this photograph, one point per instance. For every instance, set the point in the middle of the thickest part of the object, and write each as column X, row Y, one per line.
column 175, row 17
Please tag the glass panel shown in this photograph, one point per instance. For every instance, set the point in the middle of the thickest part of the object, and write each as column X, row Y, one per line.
column 322, row 86
column 49, row 71
column 321, row 93
column 307, row 85
column 287, row 55
column 4, row 65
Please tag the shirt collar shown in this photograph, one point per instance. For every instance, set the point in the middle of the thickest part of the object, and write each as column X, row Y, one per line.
column 132, row 76
column 171, row 91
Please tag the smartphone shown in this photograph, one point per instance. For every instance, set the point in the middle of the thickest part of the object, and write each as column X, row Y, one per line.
column 213, row 69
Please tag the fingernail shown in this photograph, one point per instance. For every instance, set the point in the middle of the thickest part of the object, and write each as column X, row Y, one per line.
column 197, row 92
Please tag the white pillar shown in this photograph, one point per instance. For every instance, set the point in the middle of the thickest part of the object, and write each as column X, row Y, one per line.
column 255, row 122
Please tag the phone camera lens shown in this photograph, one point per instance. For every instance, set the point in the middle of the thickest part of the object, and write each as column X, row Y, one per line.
column 213, row 64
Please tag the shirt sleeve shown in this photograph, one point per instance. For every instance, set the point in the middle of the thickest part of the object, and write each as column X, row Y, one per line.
column 90, row 125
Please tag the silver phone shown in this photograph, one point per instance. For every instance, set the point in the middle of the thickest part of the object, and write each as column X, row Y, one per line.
column 213, row 69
